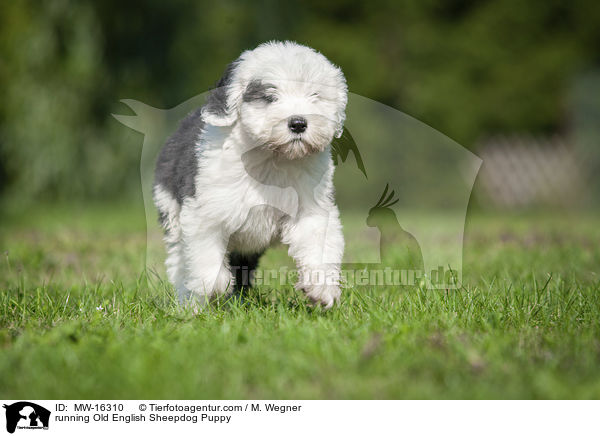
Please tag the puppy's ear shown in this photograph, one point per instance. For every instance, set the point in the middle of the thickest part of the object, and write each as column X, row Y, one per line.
column 221, row 105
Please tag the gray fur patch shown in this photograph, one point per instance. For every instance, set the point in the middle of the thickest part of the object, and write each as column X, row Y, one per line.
column 177, row 164
column 257, row 90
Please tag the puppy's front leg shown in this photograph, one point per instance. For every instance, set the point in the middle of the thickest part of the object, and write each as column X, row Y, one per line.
column 316, row 243
column 207, row 271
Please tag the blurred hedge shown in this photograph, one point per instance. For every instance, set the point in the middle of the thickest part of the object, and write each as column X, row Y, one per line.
column 467, row 68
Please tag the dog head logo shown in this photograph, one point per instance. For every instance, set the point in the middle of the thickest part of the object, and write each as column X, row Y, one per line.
column 26, row 415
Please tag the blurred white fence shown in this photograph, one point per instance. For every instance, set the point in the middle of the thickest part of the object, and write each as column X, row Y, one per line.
column 521, row 171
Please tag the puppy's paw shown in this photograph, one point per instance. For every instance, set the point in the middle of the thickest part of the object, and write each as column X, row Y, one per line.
column 196, row 303
column 324, row 295
column 205, row 288
column 224, row 284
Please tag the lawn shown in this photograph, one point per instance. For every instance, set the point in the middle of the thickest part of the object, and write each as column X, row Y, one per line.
column 80, row 317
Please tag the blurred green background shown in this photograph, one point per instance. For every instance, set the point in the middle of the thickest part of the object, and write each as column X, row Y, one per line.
column 470, row 69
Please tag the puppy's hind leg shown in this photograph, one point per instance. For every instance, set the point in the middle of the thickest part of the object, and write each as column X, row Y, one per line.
column 242, row 267
column 176, row 267
column 168, row 217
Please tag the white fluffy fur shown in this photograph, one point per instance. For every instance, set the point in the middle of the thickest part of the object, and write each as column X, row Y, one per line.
column 258, row 182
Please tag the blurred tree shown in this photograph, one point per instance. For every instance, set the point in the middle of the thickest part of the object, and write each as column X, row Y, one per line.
column 54, row 139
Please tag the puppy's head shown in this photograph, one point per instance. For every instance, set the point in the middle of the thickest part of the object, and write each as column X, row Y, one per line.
column 285, row 97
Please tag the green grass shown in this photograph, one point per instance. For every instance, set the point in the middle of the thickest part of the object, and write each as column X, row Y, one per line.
column 81, row 318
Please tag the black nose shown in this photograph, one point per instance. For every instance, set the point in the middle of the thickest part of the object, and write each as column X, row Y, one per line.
column 297, row 124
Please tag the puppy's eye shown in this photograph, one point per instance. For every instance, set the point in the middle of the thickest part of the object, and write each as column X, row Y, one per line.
column 269, row 98
column 315, row 95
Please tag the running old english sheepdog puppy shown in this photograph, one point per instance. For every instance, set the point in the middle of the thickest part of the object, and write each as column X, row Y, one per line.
column 251, row 167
